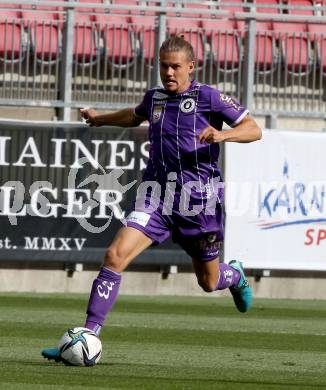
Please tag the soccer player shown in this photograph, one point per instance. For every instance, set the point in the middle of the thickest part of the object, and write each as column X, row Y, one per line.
column 185, row 130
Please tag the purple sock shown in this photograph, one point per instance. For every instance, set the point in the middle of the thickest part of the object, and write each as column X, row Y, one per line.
column 103, row 295
column 229, row 277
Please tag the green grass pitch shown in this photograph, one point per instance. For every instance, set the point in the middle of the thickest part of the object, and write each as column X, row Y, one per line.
column 167, row 343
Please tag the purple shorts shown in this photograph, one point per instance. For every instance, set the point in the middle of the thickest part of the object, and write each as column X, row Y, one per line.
column 200, row 235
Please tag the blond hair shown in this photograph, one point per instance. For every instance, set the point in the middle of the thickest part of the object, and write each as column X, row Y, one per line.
column 178, row 43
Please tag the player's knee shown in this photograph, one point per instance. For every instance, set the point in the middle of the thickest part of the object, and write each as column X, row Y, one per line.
column 207, row 285
column 113, row 259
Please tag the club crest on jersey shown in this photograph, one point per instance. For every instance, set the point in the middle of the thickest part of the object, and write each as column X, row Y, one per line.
column 157, row 113
column 187, row 105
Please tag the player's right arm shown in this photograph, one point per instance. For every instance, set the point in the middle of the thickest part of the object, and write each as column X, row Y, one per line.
column 124, row 118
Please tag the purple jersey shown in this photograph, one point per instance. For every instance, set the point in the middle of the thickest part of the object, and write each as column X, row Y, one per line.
column 175, row 121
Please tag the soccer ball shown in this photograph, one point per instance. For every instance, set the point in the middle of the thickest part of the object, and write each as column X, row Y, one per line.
column 80, row 347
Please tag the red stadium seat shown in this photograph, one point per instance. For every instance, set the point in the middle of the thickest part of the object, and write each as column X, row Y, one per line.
column 317, row 31
column 294, row 42
column 263, row 6
column 186, row 21
column 294, row 27
column 265, row 52
column 117, row 35
column 86, row 42
column 265, row 47
column 86, row 47
column 267, row 6
column 146, row 35
column 85, row 14
column 124, row 3
column 44, row 26
column 119, row 44
column 147, row 38
column 296, row 50
column 318, row 37
column 12, row 47
column 223, row 37
column 321, row 3
column 9, row 11
column 232, row 6
column 224, row 41
column 40, row 13
column 321, row 49
column 46, row 41
column 198, row 6
column 46, row 32
column 143, row 25
column 236, row 6
column 300, row 11
column 145, row 20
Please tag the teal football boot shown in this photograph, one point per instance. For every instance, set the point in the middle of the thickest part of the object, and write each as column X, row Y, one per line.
column 242, row 293
column 52, row 354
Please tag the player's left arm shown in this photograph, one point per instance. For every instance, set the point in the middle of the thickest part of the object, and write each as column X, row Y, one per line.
column 245, row 131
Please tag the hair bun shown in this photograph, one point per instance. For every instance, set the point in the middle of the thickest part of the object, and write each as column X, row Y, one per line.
column 180, row 35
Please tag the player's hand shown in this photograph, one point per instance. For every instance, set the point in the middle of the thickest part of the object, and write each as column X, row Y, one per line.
column 91, row 116
column 210, row 135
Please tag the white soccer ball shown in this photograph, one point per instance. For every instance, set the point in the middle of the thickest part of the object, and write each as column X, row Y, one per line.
column 80, row 347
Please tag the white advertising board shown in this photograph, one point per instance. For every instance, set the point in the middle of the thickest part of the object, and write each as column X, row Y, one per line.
column 276, row 201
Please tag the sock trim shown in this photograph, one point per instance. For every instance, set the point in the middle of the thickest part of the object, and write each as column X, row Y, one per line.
column 110, row 270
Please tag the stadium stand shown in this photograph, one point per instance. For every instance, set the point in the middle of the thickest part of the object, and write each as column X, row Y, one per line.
column 319, row 41
column 221, row 34
column 232, row 8
column 12, row 47
column 225, row 46
column 266, row 55
column 117, row 34
column 317, row 33
column 143, row 25
column 43, row 25
column 115, row 40
column 294, row 42
column 267, row 58
column 86, row 42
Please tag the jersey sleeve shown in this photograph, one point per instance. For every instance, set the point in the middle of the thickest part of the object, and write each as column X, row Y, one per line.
column 230, row 110
column 143, row 109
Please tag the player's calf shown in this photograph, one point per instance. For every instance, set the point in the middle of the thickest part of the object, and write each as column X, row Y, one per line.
column 207, row 285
